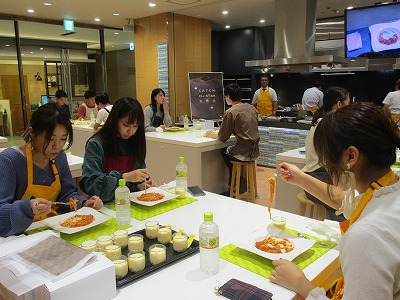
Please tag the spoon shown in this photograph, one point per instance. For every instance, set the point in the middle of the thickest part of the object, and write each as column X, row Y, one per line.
column 304, row 237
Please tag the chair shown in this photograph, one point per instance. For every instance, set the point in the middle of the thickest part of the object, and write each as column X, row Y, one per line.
column 304, row 202
column 247, row 169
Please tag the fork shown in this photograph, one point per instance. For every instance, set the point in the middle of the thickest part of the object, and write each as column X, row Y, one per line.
column 62, row 203
column 299, row 234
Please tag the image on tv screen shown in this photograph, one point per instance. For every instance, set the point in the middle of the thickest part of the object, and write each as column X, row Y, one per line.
column 373, row 31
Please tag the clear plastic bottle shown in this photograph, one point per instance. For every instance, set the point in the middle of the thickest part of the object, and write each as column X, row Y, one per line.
column 185, row 122
column 181, row 178
column 122, row 203
column 92, row 119
column 209, row 245
column 198, row 129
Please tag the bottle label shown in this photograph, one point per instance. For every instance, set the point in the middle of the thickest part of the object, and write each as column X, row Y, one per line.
column 209, row 243
column 121, row 201
column 180, row 173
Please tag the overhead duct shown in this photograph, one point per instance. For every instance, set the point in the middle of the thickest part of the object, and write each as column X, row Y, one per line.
column 295, row 37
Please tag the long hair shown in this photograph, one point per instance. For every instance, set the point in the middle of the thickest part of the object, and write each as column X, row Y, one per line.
column 153, row 104
column 46, row 118
column 123, row 107
column 331, row 96
column 361, row 125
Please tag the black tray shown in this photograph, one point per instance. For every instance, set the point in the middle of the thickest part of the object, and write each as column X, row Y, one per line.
column 172, row 256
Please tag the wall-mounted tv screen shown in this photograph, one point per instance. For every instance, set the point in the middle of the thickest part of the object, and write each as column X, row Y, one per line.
column 373, row 31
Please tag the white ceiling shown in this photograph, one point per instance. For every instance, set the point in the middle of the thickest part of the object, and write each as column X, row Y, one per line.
column 241, row 14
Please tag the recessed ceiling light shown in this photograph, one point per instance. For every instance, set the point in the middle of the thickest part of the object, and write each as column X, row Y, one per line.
column 115, row 32
column 97, row 19
column 152, row 4
column 262, row 21
column 47, row 4
column 115, row 14
column 225, row 12
column 350, row 7
column 227, row 26
column 31, row 52
column 7, row 45
column 336, row 11
column 40, row 48
column 31, row 11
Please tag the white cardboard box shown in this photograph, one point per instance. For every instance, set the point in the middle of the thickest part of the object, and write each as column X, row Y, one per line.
column 96, row 280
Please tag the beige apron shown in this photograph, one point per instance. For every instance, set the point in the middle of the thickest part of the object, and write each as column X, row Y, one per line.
column 42, row 191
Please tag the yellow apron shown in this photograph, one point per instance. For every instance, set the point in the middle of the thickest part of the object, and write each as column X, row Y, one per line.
column 264, row 104
column 42, row 191
column 313, row 109
column 384, row 181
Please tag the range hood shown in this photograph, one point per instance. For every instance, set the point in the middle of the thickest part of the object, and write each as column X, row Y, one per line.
column 294, row 43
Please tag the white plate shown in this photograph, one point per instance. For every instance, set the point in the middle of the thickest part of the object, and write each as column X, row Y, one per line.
column 377, row 29
column 54, row 222
column 300, row 245
column 167, row 196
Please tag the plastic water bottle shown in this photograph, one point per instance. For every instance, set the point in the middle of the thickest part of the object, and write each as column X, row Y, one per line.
column 122, row 203
column 181, row 178
column 209, row 245
column 185, row 122
column 198, row 129
column 92, row 119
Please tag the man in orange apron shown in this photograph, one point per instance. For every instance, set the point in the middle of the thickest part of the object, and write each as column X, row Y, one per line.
column 265, row 98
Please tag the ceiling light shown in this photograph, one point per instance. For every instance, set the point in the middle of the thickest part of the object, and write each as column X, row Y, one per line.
column 7, row 45
column 115, row 14
column 115, row 32
column 47, row 4
column 31, row 52
column 152, row 4
column 227, row 26
column 262, row 21
column 225, row 12
column 97, row 19
column 40, row 48
column 31, row 11
column 336, row 11
column 350, row 7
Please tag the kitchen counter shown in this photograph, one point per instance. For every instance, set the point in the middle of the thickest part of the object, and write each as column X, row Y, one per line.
column 285, row 198
column 206, row 167
column 278, row 124
column 81, row 134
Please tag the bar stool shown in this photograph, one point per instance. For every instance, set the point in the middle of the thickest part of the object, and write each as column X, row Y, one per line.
column 247, row 169
column 304, row 202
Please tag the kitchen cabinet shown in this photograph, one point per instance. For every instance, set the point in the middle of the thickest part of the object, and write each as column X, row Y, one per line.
column 245, row 84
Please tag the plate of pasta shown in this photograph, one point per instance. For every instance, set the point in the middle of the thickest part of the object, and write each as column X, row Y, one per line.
column 72, row 222
column 152, row 196
column 282, row 245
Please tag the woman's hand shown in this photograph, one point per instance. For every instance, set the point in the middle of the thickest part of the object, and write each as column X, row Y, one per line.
column 94, row 202
column 161, row 126
column 136, row 176
column 165, row 106
column 211, row 134
column 40, row 206
column 290, row 173
column 149, row 184
column 290, row 276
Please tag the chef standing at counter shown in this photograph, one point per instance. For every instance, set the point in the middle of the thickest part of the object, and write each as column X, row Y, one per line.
column 391, row 104
column 265, row 98
column 312, row 97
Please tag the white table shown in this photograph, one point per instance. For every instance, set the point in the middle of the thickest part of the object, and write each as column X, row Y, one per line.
column 235, row 218
column 75, row 165
column 3, row 141
column 285, row 198
column 81, row 134
column 206, row 167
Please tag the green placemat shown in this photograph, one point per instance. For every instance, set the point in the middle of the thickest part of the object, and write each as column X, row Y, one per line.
column 142, row 212
column 92, row 233
column 263, row 266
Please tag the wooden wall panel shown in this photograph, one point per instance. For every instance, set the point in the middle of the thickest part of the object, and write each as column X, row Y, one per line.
column 189, row 50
